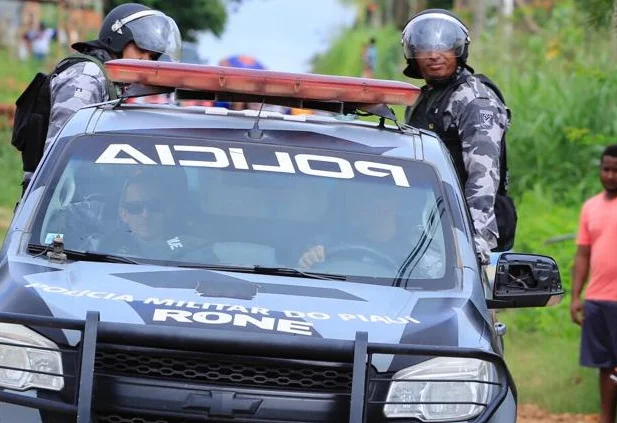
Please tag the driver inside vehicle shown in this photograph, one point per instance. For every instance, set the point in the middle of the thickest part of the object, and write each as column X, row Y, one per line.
column 143, row 210
column 377, row 228
column 151, row 224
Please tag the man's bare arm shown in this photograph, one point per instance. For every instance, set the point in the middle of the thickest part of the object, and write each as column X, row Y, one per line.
column 581, row 272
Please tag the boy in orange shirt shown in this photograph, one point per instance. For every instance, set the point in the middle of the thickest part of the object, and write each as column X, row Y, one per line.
column 596, row 257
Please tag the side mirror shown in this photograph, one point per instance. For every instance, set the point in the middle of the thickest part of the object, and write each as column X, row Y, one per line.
column 525, row 280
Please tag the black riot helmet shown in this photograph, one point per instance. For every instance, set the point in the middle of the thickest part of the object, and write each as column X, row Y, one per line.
column 149, row 29
column 434, row 30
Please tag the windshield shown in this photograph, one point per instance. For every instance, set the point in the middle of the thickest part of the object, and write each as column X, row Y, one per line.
column 371, row 218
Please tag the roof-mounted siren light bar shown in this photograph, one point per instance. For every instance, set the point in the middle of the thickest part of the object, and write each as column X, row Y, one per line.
column 305, row 86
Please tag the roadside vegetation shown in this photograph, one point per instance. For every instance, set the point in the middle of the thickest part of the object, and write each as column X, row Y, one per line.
column 10, row 172
column 562, row 90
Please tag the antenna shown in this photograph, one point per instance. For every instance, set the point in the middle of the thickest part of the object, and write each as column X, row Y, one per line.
column 255, row 132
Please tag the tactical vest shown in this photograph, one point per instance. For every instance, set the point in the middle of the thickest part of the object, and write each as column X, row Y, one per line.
column 428, row 113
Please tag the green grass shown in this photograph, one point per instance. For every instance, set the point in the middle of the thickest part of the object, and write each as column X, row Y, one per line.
column 5, row 218
column 16, row 74
column 546, row 371
column 542, row 344
column 540, row 219
column 11, row 174
column 10, row 171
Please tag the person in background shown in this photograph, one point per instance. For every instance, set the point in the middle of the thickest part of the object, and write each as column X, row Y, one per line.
column 595, row 261
column 41, row 40
column 369, row 59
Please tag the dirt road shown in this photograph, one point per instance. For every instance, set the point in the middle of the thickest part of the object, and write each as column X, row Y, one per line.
column 533, row 414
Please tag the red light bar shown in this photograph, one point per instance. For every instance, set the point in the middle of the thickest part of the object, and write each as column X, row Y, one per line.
column 305, row 86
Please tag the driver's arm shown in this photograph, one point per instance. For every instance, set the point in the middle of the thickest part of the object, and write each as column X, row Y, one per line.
column 314, row 255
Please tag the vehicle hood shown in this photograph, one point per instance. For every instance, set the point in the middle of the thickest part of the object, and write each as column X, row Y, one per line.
column 168, row 296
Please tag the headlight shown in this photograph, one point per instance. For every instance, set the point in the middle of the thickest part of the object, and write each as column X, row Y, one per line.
column 28, row 359
column 453, row 386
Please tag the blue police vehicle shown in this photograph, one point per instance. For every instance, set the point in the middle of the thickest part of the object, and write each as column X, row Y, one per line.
column 184, row 264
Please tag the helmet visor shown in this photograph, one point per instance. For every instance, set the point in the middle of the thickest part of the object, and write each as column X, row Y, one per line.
column 159, row 34
column 434, row 33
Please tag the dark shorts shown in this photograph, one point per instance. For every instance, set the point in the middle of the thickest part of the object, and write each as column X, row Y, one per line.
column 599, row 336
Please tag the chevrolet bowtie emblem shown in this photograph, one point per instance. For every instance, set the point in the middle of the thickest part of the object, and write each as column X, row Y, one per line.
column 221, row 404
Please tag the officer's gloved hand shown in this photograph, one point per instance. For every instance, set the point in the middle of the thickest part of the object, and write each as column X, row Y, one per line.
column 484, row 251
column 314, row 255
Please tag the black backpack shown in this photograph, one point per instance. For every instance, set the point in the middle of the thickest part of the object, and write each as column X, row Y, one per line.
column 33, row 108
column 505, row 210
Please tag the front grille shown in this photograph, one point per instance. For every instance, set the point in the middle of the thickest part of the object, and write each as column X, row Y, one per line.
column 116, row 418
column 133, row 418
column 237, row 370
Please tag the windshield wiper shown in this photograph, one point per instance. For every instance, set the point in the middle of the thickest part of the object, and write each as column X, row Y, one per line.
column 265, row 270
column 290, row 271
column 83, row 255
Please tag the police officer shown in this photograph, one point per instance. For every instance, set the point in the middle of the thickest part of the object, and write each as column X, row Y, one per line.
column 463, row 110
column 129, row 31
column 374, row 232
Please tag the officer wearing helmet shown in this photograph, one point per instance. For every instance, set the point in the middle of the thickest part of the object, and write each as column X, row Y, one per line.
column 129, row 31
column 466, row 111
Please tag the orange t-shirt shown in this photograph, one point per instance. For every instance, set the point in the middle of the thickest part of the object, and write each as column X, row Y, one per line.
column 598, row 229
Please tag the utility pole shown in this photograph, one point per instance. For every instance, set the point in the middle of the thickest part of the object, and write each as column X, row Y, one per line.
column 479, row 17
column 507, row 11
column 387, row 12
column 417, row 5
column 508, row 8
column 402, row 13
column 508, row 35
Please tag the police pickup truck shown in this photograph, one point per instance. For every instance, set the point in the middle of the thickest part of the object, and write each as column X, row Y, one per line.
column 184, row 264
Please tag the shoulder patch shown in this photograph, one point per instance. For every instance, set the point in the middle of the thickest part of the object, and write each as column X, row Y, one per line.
column 91, row 69
column 486, row 118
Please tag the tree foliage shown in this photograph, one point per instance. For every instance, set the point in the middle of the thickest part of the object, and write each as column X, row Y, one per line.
column 190, row 15
column 598, row 12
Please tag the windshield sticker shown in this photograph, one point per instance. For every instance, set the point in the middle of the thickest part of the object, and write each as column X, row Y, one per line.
column 49, row 238
column 170, row 311
column 237, row 158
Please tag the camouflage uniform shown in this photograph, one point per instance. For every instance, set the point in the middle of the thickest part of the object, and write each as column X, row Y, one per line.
column 78, row 86
column 480, row 120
